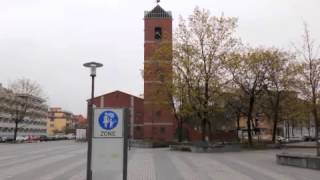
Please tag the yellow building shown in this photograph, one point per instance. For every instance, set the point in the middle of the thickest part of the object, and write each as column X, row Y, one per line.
column 59, row 121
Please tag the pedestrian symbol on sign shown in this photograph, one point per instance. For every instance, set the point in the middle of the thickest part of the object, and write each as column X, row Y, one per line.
column 108, row 120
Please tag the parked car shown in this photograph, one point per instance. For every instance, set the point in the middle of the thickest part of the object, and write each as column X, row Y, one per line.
column 20, row 139
column 51, row 138
column 33, row 138
column 71, row 136
column 3, row 139
column 295, row 139
column 44, row 138
column 29, row 138
column 60, row 137
column 8, row 139
column 309, row 138
column 281, row 139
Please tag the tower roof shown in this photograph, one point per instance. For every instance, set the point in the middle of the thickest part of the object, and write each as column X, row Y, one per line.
column 158, row 12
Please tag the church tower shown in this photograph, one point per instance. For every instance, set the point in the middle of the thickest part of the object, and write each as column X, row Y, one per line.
column 159, row 121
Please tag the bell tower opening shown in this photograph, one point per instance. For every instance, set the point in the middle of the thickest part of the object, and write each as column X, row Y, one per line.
column 157, row 33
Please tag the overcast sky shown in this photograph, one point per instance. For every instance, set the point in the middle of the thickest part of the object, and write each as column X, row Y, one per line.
column 48, row 40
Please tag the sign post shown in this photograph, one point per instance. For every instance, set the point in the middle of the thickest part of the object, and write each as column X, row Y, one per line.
column 109, row 144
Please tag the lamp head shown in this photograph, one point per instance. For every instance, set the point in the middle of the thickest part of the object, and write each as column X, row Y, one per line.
column 93, row 66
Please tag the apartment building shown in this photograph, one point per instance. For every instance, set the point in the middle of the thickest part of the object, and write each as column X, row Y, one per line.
column 60, row 121
column 33, row 123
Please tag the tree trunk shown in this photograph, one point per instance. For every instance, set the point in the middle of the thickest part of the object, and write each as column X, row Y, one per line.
column 210, row 131
column 292, row 129
column 288, row 129
column 249, row 131
column 177, row 117
column 309, row 124
column 238, row 125
column 317, row 138
column 316, row 130
column 274, row 132
column 205, row 114
column 250, row 119
column 15, row 131
column 315, row 115
column 204, row 132
column 180, row 129
column 275, row 118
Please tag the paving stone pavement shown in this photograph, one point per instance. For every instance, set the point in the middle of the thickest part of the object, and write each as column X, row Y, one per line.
column 141, row 165
column 66, row 160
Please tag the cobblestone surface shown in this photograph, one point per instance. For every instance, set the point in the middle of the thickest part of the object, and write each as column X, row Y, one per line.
column 66, row 160
column 141, row 165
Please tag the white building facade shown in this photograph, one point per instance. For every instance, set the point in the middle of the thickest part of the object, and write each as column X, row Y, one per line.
column 34, row 122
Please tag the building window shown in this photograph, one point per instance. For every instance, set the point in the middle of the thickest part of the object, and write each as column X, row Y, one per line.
column 154, row 129
column 138, row 128
column 158, row 33
column 162, row 129
column 158, row 113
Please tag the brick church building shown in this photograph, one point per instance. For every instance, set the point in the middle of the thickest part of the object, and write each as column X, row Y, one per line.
column 151, row 117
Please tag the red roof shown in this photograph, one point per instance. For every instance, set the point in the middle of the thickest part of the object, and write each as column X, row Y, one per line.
column 117, row 91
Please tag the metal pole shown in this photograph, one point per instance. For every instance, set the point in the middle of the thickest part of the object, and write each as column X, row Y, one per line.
column 125, row 145
column 152, row 122
column 90, row 122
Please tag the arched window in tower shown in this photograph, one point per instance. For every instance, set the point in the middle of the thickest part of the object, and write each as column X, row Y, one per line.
column 157, row 33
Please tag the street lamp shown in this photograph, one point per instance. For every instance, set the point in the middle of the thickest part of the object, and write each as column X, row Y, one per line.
column 93, row 67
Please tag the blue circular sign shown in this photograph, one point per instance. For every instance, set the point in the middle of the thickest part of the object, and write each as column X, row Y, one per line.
column 108, row 120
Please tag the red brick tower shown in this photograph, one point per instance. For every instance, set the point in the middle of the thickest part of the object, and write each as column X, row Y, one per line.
column 158, row 117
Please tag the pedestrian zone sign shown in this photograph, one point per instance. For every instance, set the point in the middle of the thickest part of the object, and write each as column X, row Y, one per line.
column 108, row 123
column 109, row 144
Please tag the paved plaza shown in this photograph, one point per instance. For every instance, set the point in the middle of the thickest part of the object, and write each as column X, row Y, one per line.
column 66, row 160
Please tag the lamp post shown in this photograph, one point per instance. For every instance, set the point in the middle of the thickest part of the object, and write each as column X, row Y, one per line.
column 93, row 66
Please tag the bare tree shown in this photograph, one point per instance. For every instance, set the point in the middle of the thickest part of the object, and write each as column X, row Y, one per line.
column 310, row 77
column 248, row 70
column 24, row 93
